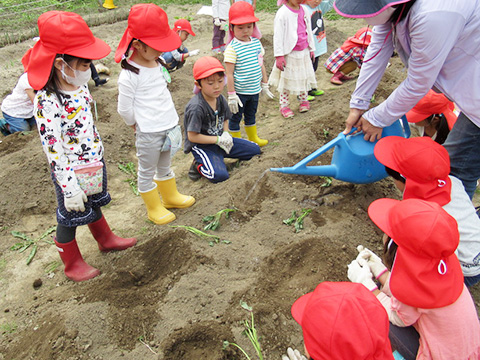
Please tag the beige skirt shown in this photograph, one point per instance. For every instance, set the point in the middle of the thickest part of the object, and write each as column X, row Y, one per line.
column 298, row 75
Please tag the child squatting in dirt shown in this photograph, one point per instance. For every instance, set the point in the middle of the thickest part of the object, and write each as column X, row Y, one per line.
column 60, row 70
column 206, row 125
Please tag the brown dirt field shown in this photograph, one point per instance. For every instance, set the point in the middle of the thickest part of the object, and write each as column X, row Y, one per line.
column 173, row 291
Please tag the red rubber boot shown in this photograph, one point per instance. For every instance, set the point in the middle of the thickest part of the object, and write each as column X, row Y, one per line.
column 106, row 239
column 76, row 268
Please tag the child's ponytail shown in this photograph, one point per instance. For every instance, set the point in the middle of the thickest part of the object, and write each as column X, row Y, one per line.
column 125, row 64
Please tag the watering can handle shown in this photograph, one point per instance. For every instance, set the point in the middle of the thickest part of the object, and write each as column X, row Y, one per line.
column 406, row 126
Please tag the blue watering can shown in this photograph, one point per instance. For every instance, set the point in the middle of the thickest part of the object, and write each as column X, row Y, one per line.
column 353, row 159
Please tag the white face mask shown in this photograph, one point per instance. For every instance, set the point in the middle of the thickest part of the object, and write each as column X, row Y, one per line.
column 381, row 18
column 80, row 78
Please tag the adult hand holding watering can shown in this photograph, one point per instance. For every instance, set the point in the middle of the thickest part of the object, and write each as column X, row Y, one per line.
column 355, row 119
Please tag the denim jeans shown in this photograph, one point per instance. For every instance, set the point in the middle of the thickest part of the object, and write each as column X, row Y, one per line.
column 471, row 280
column 19, row 124
column 248, row 110
column 405, row 340
column 462, row 146
column 170, row 61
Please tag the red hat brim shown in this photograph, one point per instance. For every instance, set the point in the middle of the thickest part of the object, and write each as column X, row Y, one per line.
column 40, row 59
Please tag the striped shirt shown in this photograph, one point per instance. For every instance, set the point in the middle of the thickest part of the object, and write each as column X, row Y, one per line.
column 248, row 72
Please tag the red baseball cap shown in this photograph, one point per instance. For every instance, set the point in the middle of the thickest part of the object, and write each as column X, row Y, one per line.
column 424, row 163
column 206, row 66
column 60, row 33
column 433, row 103
column 241, row 12
column 343, row 320
column 183, row 24
column 149, row 24
column 426, row 272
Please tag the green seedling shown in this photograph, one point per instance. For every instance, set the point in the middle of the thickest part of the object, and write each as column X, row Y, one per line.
column 326, row 133
column 212, row 239
column 291, row 219
column 214, row 220
column 327, row 181
column 8, row 328
column 297, row 221
column 28, row 242
column 250, row 332
column 130, row 170
column 372, row 100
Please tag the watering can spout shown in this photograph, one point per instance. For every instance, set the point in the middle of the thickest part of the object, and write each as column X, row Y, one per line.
column 353, row 159
column 323, row 170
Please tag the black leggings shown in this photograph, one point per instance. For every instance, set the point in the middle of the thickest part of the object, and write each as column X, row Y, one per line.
column 66, row 234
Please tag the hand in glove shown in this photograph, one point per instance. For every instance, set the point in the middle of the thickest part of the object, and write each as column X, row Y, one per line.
column 234, row 102
column 76, row 202
column 225, row 141
column 193, row 52
column 361, row 274
column 372, row 260
column 266, row 91
column 217, row 22
column 280, row 63
column 293, row 355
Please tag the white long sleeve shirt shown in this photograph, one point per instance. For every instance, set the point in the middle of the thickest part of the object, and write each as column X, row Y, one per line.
column 439, row 42
column 145, row 101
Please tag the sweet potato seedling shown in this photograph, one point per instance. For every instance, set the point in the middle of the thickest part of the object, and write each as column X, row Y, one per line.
column 249, row 332
column 297, row 221
column 214, row 220
column 129, row 169
column 212, row 239
column 28, row 242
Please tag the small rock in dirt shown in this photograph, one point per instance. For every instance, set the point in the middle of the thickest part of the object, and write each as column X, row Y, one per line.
column 37, row 284
column 6, row 310
column 71, row 333
column 344, row 247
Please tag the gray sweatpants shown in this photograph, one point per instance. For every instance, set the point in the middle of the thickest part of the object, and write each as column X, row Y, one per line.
column 152, row 161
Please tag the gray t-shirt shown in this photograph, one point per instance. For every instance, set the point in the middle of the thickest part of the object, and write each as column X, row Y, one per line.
column 201, row 118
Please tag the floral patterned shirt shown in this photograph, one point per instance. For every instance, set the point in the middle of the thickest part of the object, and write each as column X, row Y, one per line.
column 68, row 134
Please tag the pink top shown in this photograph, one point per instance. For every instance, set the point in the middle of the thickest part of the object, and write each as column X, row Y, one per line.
column 451, row 332
column 302, row 42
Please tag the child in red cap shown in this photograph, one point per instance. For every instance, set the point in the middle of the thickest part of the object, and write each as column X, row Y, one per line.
column 420, row 167
column 349, row 56
column 246, row 74
column 175, row 59
column 206, row 125
column 424, row 287
column 59, row 68
column 434, row 116
column 146, row 105
column 341, row 321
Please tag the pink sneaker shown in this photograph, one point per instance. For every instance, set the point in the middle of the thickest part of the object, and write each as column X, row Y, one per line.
column 304, row 106
column 286, row 112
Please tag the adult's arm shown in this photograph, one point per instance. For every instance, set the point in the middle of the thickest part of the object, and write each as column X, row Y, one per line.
column 430, row 43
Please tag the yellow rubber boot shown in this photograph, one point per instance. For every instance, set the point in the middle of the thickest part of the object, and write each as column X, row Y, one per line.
column 252, row 135
column 236, row 134
column 156, row 211
column 171, row 198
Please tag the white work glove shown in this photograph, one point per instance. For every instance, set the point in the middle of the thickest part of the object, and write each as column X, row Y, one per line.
column 293, row 355
column 216, row 22
column 361, row 274
column 76, row 202
column 234, row 102
column 193, row 52
column 266, row 91
column 372, row 260
column 225, row 141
